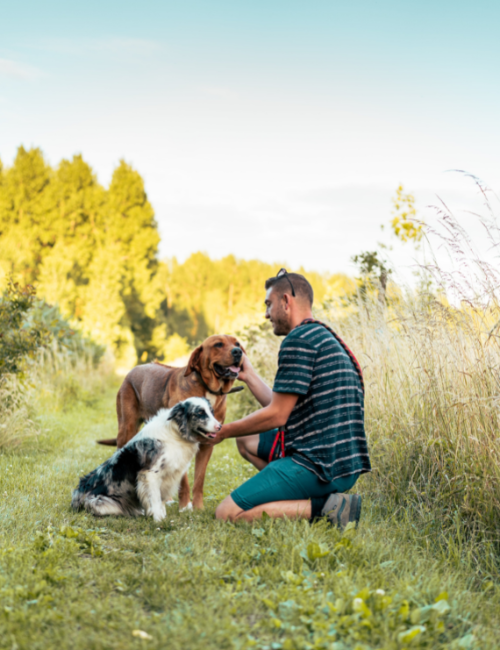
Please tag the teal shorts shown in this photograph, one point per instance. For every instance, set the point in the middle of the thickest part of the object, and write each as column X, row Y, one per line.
column 285, row 480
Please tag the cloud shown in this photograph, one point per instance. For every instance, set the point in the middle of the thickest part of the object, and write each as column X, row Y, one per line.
column 16, row 70
column 109, row 44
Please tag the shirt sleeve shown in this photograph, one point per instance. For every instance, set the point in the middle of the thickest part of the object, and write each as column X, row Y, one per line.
column 295, row 367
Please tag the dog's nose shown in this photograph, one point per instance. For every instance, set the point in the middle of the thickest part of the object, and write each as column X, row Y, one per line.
column 237, row 353
column 218, row 427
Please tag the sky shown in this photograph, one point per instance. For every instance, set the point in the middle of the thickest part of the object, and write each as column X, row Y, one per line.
column 274, row 129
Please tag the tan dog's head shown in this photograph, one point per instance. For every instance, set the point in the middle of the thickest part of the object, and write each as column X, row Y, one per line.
column 217, row 359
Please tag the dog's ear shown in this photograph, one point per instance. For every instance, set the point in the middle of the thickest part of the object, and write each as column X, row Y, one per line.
column 194, row 361
column 178, row 414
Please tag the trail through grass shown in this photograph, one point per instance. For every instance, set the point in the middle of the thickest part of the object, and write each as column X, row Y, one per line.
column 72, row 581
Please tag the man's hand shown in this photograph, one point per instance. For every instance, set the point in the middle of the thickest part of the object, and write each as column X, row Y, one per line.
column 219, row 436
column 272, row 416
column 247, row 370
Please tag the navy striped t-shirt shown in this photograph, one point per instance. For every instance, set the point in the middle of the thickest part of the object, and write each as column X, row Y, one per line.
column 325, row 431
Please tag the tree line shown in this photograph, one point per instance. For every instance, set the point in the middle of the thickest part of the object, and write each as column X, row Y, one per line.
column 93, row 251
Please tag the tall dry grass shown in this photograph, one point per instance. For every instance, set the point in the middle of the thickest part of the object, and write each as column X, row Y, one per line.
column 54, row 380
column 432, row 374
column 432, row 398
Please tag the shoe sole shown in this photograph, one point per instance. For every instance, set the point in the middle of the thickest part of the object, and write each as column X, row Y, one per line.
column 356, row 509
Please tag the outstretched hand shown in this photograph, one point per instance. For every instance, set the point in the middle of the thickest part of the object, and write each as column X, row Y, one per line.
column 246, row 369
column 219, row 436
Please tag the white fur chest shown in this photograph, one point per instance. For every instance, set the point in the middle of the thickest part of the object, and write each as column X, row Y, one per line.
column 176, row 456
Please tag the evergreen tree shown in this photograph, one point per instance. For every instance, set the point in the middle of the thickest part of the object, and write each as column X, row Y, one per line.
column 23, row 206
column 75, row 227
column 132, row 228
column 94, row 253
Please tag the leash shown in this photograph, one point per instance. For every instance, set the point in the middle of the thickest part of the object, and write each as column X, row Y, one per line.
column 280, row 436
column 235, row 389
column 350, row 354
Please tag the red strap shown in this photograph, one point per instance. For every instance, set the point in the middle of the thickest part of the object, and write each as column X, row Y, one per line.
column 279, row 436
column 355, row 363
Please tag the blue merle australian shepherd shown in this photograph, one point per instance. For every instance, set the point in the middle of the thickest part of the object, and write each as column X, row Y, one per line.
column 142, row 476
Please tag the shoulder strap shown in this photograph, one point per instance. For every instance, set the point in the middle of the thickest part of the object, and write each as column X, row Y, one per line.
column 355, row 363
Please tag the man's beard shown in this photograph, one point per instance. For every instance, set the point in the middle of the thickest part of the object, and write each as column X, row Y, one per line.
column 281, row 326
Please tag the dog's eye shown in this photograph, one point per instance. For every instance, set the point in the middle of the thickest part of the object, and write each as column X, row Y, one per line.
column 219, row 345
column 237, row 344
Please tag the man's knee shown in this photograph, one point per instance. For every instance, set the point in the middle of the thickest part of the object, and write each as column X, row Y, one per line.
column 241, row 444
column 227, row 510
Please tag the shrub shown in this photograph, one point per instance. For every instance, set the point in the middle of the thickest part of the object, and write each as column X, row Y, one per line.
column 19, row 338
column 41, row 356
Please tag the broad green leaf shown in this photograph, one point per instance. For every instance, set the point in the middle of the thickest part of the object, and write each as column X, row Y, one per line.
column 315, row 551
column 409, row 635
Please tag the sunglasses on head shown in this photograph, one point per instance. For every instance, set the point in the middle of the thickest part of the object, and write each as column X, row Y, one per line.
column 283, row 273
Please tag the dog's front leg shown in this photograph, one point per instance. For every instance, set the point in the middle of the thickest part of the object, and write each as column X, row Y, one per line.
column 149, row 493
column 184, row 494
column 200, row 469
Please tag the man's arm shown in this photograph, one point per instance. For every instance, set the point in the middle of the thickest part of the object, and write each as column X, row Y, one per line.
column 259, row 389
column 274, row 415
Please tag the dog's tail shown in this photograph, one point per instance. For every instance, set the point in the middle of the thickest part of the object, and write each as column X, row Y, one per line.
column 77, row 501
column 111, row 442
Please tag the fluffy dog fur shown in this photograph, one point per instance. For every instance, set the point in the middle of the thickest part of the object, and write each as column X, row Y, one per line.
column 143, row 475
column 211, row 372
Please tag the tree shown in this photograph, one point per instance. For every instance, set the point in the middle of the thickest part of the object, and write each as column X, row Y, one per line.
column 131, row 227
column 74, row 227
column 374, row 273
column 403, row 223
column 23, row 206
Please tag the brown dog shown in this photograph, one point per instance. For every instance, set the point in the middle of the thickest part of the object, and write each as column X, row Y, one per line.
column 211, row 372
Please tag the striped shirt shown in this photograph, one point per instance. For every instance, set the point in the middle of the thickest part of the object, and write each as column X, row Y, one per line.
column 325, row 431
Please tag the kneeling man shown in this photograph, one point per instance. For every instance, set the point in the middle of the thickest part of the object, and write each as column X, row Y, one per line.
column 313, row 447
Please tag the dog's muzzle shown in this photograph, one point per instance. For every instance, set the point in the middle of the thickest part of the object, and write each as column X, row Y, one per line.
column 227, row 372
column 209, row 434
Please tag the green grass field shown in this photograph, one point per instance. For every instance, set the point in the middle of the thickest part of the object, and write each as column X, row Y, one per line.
column 71, row 581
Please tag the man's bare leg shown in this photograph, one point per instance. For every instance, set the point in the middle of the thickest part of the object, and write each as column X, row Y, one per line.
column 229, row 511
column 248, row 447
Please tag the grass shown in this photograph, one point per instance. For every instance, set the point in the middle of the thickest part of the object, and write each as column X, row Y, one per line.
column 72, row 581
column 55, row 376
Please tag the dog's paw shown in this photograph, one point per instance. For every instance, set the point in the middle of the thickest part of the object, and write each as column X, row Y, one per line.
column 188, row 507
column 169, row 503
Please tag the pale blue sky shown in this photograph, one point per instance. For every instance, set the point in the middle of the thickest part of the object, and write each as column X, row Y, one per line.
column 269, row 129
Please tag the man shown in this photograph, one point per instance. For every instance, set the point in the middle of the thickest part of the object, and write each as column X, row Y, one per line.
column 317, row 398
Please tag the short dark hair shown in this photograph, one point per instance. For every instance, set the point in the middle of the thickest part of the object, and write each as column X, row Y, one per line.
column 285, row 282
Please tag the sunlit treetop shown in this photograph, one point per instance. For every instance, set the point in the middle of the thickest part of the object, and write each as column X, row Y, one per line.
column 404, row 224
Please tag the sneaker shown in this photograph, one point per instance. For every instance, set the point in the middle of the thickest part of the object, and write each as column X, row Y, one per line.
column 342, row 509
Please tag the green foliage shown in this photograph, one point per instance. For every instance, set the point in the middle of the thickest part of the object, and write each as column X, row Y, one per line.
column 90, row 251
column 39, row 353
column 374, row 274
column 206, row 296
column 93, row 252
column 28, row 324
column 403, row 223
column 19, row 338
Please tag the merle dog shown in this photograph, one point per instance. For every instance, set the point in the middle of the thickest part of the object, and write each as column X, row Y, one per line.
column 140, row 477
